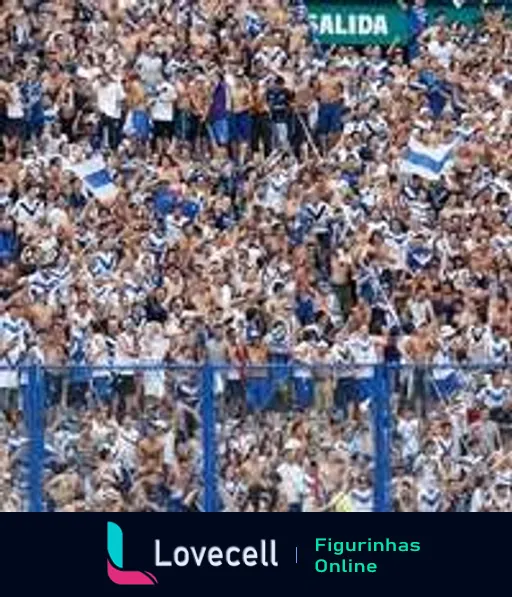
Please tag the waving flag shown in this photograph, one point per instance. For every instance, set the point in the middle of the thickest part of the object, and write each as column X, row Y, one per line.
column 95, row 177
column 427, row 161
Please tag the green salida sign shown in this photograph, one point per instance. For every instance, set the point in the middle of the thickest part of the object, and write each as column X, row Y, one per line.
column 358, row 24
column 377, row 24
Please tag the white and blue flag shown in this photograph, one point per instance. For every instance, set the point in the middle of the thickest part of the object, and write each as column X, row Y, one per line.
column 95, row 177
column 427, row 161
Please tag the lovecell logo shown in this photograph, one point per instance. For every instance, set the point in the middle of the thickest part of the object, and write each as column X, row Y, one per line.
column 115, row 561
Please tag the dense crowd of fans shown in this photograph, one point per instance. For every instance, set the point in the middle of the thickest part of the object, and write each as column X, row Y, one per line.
column 257, row 216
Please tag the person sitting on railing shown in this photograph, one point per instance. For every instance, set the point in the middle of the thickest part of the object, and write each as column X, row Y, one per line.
column 303, row 378
column 154, row 348
column 365, row 354
column 98, row 356
column 257, row 383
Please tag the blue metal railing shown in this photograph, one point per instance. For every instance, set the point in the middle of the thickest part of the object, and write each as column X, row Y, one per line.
column 34, row 385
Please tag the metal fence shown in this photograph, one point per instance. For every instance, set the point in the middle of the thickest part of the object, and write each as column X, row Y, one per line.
column 46, row 416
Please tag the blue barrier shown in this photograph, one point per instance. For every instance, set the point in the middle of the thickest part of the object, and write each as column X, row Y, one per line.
column 34, row 406
column 35, row 386
column 381, row 430
column 209, row 449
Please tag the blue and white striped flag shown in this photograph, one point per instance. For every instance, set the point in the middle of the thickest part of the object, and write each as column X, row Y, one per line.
column 426, row 161
column 95, row 177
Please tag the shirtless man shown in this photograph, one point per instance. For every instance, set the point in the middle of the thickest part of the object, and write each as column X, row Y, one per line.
column 303, row 98
column 11, row 98
column 53, row 345
column 183, row 107
column 342, row 281
column 329, row 92
column 53, row 80
column 40, row 313
column 200, row 39
column 252, row 470
column 417, row 348
column 257, row 381
column 261, row 129
column 241, row 117
column 151, row 453
column 200, row 103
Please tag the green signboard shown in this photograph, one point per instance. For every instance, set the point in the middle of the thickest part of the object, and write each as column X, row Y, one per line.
column 358, row 24
column 374, row 24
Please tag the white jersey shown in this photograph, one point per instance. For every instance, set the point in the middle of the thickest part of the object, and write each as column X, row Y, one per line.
column 98, row 353
column 421, row 312
column 362, row 500
column 341, row 358
column 150, row 69
column 441, row 52
column 303, row 354
column 126, row 448
column 12, row 338
column 408, row 430
column 104, row 263
column 275, row 193
column 363, row 352
column 443, row 359
column 27, row 211
column 124, row 348
column 155, row 347
column 109, row 98
column 12, row 331
column 429, row 499
column 427, row 469
column 163, row 107
column 446, row 446
column 81, row 322
column 292, row 481
column 498, row 349
column 476, row 345
column 494, row 397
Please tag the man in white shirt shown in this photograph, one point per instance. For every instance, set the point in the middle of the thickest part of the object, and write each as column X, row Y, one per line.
column 109, row 96
column 125, row 448
column 162, row 113
column 361, row 495
column 12, row 347
column 441, row 49
column 420, row 308
column 28, row 210
column 363, row 350
column 149, row 66
column 293, row 478
column 15, row 115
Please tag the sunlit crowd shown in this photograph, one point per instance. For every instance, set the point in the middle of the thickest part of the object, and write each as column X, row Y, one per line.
column 201, row 196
